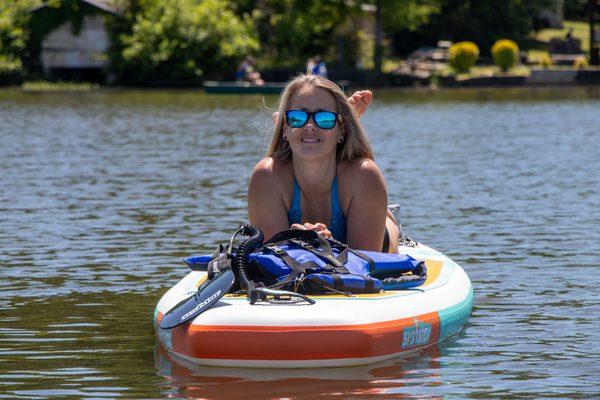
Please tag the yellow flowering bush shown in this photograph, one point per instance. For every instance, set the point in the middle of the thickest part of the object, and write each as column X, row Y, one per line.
column 505, row 53
column 463, row 56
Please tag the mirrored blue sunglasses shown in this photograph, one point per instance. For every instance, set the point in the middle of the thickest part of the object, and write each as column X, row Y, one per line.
column 299, row 118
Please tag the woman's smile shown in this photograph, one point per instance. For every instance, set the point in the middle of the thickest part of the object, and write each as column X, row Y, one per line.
column 310, row 140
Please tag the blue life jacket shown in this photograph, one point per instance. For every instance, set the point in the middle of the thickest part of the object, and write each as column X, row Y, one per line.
column 306, row 262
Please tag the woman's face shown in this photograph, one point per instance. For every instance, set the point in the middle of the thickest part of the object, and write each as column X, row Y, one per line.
column 310, row 141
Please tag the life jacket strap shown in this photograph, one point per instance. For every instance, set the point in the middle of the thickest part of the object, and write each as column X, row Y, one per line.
column 316, row 244
column 326, row 254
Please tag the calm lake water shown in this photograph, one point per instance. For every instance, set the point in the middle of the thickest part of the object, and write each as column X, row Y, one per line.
column 102, row 194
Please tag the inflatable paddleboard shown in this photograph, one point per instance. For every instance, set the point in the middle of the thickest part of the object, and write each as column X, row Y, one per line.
column 336, row 331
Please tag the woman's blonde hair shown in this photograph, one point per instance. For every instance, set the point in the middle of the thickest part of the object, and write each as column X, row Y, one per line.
column 355, row 145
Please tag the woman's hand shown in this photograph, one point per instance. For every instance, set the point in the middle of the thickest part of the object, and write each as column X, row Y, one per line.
column 319, row 227
column 361, row 100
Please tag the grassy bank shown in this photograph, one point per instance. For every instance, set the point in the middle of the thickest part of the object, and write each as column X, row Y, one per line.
column 580, row 30
column 61, row 86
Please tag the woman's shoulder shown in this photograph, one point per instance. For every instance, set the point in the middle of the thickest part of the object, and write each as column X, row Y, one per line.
column 272, row 166
column 357, row 179
column 270, row 171
column 359, row 172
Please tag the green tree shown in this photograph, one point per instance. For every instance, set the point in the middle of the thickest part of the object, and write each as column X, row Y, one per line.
column 14, row 33
column 483, row 21
column 576, row 9
column 407, row 14
column 180, row 40
column 292, row 30
column 400, row 15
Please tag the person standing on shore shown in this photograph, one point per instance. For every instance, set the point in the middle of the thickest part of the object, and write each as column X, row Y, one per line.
column 310, row 65
column 319, row 67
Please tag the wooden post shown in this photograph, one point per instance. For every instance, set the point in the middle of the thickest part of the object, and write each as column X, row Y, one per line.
column 594, row 47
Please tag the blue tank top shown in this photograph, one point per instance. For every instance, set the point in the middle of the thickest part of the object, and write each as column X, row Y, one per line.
column 337, row 225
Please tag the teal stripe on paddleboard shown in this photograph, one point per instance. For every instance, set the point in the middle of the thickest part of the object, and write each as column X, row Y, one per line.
column 453, row 318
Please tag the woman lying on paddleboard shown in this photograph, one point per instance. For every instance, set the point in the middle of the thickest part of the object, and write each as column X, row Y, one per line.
column 319, row 172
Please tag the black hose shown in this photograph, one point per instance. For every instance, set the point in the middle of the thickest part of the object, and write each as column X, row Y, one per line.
column 240, row 262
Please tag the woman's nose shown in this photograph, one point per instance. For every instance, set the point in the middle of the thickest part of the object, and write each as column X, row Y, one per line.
column 310, row 125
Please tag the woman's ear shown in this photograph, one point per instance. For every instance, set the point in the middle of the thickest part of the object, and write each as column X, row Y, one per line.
column 275, row 116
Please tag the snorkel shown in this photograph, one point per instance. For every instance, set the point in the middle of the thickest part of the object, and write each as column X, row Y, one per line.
column 240, row 261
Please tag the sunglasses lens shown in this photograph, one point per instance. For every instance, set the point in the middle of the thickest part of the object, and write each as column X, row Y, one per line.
column 325, row 119
column 296, row 118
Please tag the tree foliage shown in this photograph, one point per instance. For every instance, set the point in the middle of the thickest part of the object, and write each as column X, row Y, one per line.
column 483, row 21
column 180, row 40
column 14, row 32
column 408, row 15
column 292, row 30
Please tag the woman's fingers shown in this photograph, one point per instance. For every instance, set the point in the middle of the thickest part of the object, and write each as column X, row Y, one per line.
column 319, row 227
column 298, row 227
column 325, row 233
column 361, row 100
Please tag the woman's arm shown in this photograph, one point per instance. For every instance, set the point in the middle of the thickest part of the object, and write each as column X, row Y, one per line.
column 366, row 215
column 266, row 207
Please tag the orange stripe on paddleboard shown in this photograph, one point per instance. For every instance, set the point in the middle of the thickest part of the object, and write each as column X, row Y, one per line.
column 306, row 343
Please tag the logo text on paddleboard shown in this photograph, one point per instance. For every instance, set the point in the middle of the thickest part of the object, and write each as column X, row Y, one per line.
column 200, row 306
column 416, row 335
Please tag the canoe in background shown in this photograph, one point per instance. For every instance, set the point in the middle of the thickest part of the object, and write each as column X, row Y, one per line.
column 215, row 87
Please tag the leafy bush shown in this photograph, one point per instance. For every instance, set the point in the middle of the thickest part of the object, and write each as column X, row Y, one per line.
column 505, row 53
column 14, row 18
column 11, row 71
column 463, row 56
column 182, row 40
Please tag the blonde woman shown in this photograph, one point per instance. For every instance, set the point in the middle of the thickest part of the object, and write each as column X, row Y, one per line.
column 319, row 172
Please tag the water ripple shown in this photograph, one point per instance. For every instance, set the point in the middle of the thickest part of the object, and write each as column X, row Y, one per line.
column 102, row 194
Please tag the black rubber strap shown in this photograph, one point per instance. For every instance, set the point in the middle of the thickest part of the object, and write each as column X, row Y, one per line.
column 369, row 284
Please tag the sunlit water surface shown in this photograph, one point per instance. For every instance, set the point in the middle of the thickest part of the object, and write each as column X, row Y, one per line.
column 102, row 193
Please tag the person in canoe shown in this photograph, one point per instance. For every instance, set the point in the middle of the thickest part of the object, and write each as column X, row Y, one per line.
column 319, row 172
column 247, row 72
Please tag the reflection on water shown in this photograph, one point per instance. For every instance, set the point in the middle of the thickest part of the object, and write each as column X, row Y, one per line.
column 418, row 371
column 102, row 193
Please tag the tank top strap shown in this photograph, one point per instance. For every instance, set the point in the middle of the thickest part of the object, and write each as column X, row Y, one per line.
column 338, row 220
column 295, row 211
